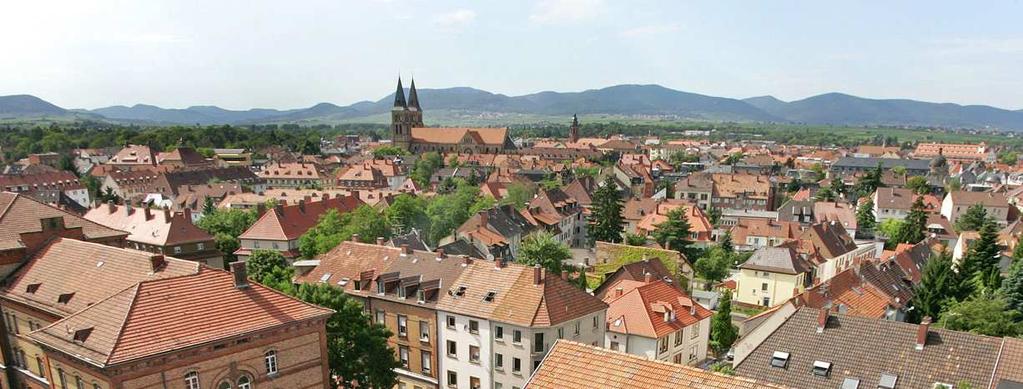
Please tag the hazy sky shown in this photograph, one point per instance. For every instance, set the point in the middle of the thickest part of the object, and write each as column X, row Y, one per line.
column 287, row 54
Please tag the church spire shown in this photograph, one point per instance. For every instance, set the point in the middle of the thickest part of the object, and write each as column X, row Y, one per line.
column 399, row 96
column 413, row 98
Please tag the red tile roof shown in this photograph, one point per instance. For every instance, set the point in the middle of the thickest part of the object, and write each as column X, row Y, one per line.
column 161, row 316
column 641, row 308
column 289, row 222
column 20, row 214
column 159, row 228
column 89, row 271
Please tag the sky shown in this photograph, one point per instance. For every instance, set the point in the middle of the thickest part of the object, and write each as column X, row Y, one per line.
column 292, row 54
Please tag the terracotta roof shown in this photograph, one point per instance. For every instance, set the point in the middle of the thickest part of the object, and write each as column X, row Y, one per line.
column 134, row 155
column 777, row 260
column 98, row 271
column 289, row 222
column 20, row 214
column 764, row 227
column 441, row 135
column 635, row 271
column 730, row 185
column 829, row 240
column 988, row 199
column 642, row 310
column 295, row 170
column 571, row 365
column 843, row 213
column 864, row 349
column 698, row 221
column 159, row 316
column 895, row 198
column 155, row 229
column 846, row 292
column 1010, row 363
column 60, row 179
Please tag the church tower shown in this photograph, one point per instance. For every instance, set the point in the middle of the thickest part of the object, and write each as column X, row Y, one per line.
column 415, row 111
column 573, row 132
column 401, row 130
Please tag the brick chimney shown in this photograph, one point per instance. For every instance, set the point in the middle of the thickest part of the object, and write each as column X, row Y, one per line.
column 466, row 260
column 166, row 215
column 564, row 275
column 483, row 218
column 260, row 209
column 619, row 291
column 156, row 262
column 648, row 278
column 241, row 277
column 440, row 254
column 921, row 332
column 537, row 274
column 301, row 205
column 499, row 263
column 405, row 249
column 188, row 214
column 355, row 237
column 380, row 241
column 148, row 212
column 822, row 320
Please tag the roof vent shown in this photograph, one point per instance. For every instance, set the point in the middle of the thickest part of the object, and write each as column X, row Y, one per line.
column 32, row 288
column 887, row 381
column 65, row 298
column 780, row 359
column 821, row 368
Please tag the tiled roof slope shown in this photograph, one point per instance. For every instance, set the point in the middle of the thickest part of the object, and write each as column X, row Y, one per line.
column 864, row 348
column 571, row 365
column 20, row 214
column 487, row 136
column 159, row 316
column 289, row 222
column 149, row 226
column 90, row 272
column 781, row 259
column 1010, row 364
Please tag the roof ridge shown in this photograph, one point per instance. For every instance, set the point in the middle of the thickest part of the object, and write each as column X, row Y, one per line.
column 123, row 321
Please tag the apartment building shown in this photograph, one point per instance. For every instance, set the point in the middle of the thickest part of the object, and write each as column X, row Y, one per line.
column 561, row 215
column 956, row 203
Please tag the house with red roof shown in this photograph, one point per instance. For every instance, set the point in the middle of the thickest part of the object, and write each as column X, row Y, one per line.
column 280, row 227
column 655, row 319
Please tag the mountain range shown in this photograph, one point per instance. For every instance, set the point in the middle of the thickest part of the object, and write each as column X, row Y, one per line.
column 469, row 106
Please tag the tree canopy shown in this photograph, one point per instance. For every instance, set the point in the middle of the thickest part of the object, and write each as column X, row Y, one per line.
column 541, row 248
column 673, row 233
column 606, row 221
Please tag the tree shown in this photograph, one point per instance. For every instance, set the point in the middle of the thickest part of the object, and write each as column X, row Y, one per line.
column 407, row 212
column 673, row 233
column 541, row 248
column 985, row 316
column 714, row 215
column 865, row 221
column 262, row 262
column 870, row 181
column 818, row 171
column 979, row 271
column 226, row 225
column 913, row 227
column 794, row 186
column 1012, row 286
column 919, row 185
column 972, row 219
column 425, row 167
column 714, row 264
column 519, row 194
column 635, row 239
column 722, row 332
column 825, row 194
column 937, row 288
column 606, row 221
column 208, row 208
column 333, row 228
column 1008, row 157
column 388, row 151
column 890, row 228
column 726, row 242
column 580, row 280
column 838, row 186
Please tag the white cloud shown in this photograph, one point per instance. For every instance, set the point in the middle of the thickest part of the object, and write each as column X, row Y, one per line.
column 151, row 38
column 556, row 11
column 456, row 18
column 653, row 29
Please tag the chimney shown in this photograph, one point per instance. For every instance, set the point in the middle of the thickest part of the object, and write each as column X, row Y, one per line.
column 241, row 277
column 148, row 212
column 822, row 320
column 619, row 291
column 405, row 249
column 156, row 262
column 127, row 208
column 301, row 205
column 537, row 274
column 380, row 241
column 440, row 254
column 166, row 215
column 355, row 237
column 467, row 260
column 498, row 262
column 355, row 194
column 483, row 218
column 188, row 214
column 326, row 196
column 648, row 278
column 307, row 198
column 921, row 332
column 279, row 208
column 564, row 275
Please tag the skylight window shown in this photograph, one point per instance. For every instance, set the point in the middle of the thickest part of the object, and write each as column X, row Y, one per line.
column 32, row 288
column 344, row 281
column 325, row 277
column 887, row 381
column 821, row 368
column 850, row 383
column 82, row 334
column 490, row 296
column 780, row 359
column 461, row 291
column 65, row 298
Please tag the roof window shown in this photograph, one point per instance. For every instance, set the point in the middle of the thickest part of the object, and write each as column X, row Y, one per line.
column 850, row 383
column 780, row 359
column 821, row 368
column 65, row 298
column 887, row 381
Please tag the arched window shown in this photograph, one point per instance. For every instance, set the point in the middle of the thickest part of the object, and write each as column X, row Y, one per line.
column 192, row 380
column 42, row 367
column 271, row 362
column 62, row 378
column 79, row 384
column 244, row 382
column 224, row 385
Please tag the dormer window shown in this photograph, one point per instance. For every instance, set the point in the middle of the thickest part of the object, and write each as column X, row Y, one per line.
column 32, row 288
column 65, row 298
column 83, row 334
column 461, row 291
column 380, row 287
column 821, row 368
column 421, row 296
column 780, row 359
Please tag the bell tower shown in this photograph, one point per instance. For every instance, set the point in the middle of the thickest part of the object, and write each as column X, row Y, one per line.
column 401, row 128
column 573, row 131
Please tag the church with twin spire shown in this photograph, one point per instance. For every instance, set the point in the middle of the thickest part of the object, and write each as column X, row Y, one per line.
column 409, row 133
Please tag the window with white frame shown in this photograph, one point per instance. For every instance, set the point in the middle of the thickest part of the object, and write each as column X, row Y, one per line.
column 192, row 380
column 270, row 359
column 402, row 326
column 244, row 382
